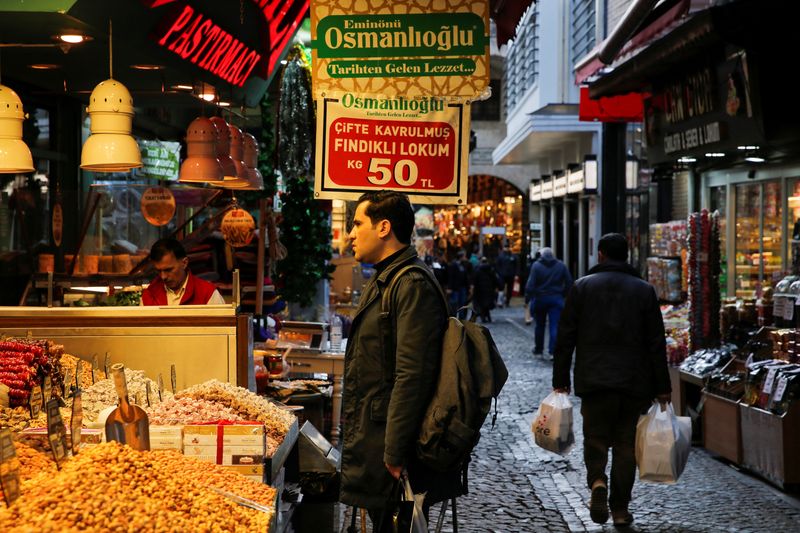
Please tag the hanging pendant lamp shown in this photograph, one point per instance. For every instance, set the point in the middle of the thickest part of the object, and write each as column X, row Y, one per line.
column 254, row 178
column 237, row 154
column 223, row 152
column 110, row 147
column 15, row 156
column 201, row 164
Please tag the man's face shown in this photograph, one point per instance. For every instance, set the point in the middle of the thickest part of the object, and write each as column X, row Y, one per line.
column 365, row 237
column 172, row 271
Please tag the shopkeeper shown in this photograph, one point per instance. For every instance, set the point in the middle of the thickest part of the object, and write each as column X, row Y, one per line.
column 175, row 284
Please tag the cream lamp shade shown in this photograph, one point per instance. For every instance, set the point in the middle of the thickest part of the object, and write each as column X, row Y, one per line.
column 254, row 178
column 110, row 147
column 237, row 154
column 15, row 156
column 201, row 164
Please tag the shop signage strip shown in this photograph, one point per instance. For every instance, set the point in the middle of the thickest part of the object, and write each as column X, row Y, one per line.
column 575, row 182
column 547, row 189
column 419, row 147
column 442, row 49
column 559, row 187
column 536, row 192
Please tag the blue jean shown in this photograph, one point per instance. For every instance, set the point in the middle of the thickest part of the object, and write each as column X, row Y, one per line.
column 546, row 308
column 458, row 299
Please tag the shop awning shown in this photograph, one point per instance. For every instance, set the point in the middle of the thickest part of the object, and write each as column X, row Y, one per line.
column 506, row 15
column 623, row 108
column 545, row 131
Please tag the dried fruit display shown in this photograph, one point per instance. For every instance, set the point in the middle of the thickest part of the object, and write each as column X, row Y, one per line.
column 32, row 462
column 187, row 410
column 69, row 363
column 247, row 404
column 112, row 487
column 103, row 394
column 23, row 362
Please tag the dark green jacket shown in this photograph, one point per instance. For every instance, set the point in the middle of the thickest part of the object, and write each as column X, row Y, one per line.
column 383, row 406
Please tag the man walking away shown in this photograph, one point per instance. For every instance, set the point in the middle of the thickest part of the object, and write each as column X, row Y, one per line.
column 459, row 275
column 391, row 365
column 507, row 268
column 548, row 283
column 484, row 291
column 613, row 319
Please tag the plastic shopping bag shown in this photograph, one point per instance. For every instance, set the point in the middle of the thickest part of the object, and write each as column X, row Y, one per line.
column 552, row 426
column 663, row 441
column 409, row 517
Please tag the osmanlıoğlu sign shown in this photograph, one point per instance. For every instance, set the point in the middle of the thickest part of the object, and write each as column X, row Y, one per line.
column 416, row 146
column 415, row 49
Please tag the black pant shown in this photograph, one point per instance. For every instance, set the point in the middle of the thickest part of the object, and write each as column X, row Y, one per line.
column 609, row 421
column 508, row 281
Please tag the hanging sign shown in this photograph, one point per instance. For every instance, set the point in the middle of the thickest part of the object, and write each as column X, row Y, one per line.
column 238, row 228
column 419, row 147
column 57, row 222
column 158, row 206
column 9, row 467
column 415, row 48
column 160, row 160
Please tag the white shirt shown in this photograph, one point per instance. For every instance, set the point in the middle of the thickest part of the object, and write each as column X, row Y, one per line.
column 175, row 297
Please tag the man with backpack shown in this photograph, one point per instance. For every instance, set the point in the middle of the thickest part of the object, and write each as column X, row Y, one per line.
column 392, row 364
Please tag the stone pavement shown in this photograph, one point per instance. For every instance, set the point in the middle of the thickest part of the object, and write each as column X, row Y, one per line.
column 517, row 487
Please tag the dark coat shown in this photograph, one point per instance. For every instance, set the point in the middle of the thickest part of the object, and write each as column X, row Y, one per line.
column 548, row 277
column 507, row 265
column 486, row 284
column 383, row 409
column 613, row 319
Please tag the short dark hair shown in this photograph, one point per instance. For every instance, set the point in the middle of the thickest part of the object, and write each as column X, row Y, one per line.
column 392, row 206
column 614, row 246
column 166, row 246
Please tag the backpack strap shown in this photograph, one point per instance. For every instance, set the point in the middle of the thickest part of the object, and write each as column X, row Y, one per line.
column 386, row 320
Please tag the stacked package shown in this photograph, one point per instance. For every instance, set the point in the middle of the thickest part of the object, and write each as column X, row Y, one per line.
column 668, row 239
column 704, row 290
column 665, row 275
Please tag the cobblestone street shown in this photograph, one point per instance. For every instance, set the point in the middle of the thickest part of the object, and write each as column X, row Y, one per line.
column 517, row 487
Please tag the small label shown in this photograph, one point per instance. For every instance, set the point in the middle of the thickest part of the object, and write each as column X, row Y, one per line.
column 160, row 388
column 57, row 224
column 94, row 366
column 788, row 310
column 780, row 389
column 67, row 384
column 56, row 432
column 76, row 421
column 47, row 389
column 173, row 378
column 769, row 381
column 106, row 361
column 238, row 228
column 35, row 401
column 147, row 392
column 158, row 205
column 9, row 467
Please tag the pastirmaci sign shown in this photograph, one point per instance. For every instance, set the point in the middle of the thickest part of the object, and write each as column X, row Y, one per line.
column 414, row 48
column 416, row 146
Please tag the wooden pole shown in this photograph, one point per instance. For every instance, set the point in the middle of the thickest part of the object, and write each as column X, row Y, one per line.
column 262, row 240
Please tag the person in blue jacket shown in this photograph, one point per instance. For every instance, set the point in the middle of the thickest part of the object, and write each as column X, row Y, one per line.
column 548, row 283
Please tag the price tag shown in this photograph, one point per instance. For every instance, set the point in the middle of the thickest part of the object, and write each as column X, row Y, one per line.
column 94, row 366
column 47, row 389
column 160, row 388
column 174, row 378
column 147, row 392
column 788, row 310
column 78, row 372
column 778, row 306
column 66, row 386
column 56, row 432
column 76, row 421
column 106, row 360
column 780, row 389
column 769, row 381
column 9, row 467
column 35, row 401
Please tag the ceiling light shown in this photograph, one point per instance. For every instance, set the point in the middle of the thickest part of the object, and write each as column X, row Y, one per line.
column 43, row 66
column 148, row 67
column 224, row 104
column 754, row 159
column 201, row 164
column 73, row 38
column 748, row 147
column 183, row 87
column 687, row 160
column 15, row 156
column 715, row 154
column 208, row 97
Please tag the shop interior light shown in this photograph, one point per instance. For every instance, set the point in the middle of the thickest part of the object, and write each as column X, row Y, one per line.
column 631, row 173
column 147, row 67
column 44, row 66
column 254, row 177
column 754, row 159
column 224, row 104
column 510, row 199
column 208, row 97
column 73, row 38
column 223, row 152
column 15, row 156
column 237, row 154
column 181, row 87
column 794, row 202
column 747, row 147
column 687, row 160
column 201, row 164
column 590, row 173
column 715, row 154
column 110, row 147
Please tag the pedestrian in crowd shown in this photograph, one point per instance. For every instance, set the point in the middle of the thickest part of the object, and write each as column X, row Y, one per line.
column 439, row 266
column 548, row 283
column 484, row 290
column 613, row 318
column 528, row 303
column 391, row 366
column 459, row 274
column 507, row 267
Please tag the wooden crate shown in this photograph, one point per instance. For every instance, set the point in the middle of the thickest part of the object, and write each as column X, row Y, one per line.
column 770, row 444
column 722, row 427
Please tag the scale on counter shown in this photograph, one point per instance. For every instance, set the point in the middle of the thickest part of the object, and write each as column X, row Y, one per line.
column 304, row 336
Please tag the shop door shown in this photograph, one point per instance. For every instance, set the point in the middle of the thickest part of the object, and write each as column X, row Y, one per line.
column 759, row 215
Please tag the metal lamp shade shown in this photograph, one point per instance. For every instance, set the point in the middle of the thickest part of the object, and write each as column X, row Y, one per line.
column 223, row 152
column 201, row 164
column 237, row 154
column 254, row 177
column 15, row 156
column 110, row 148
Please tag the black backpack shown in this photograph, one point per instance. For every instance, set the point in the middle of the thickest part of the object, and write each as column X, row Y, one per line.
column 471, row 374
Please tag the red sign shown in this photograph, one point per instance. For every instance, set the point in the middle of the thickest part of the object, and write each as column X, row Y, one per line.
column 624, row 108
column 420, row 153
column 198, row 39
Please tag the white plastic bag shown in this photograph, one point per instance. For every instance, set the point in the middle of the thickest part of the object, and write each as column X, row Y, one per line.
column 663, row 441
column 552, row 426
column 418, row 523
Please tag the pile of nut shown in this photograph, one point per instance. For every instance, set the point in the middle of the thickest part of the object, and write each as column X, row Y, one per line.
column 247, row 404
column 186, row 410
column 112, row 487
column 69, row 363
column 103, row 393
column 16, row 418
column 32, row 462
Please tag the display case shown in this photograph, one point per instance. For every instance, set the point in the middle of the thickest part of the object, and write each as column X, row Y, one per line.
column 759, row 215
column 203, row 342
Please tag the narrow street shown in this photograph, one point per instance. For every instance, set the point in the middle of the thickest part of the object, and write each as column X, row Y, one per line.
column 517, row 487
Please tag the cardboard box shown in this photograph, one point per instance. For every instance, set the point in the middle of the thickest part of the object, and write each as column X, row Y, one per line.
column 254, row 472
column 234, row 435
column 37, row 438
column 166, row 438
